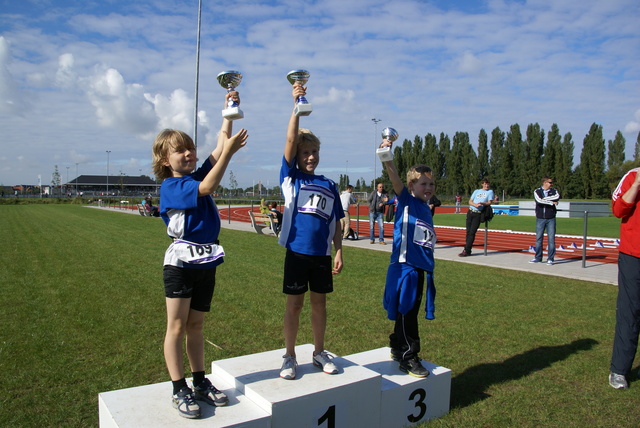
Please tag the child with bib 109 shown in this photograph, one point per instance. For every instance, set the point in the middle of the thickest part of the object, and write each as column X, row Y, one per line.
column 190, row 262
column 411, row 264
column 310, row 223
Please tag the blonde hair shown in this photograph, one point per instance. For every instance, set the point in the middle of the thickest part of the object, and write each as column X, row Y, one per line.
column 307, row 137
column 416, row 171
column 168, row 139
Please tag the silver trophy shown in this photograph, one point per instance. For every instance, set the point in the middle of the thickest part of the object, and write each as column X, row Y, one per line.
column 302, row 108
column 230, row 80
column 385, row 154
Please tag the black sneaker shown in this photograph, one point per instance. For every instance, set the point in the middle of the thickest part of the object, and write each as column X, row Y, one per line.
column 210, row 394
column 186, row 404
column 463, row 253
column 413, row 367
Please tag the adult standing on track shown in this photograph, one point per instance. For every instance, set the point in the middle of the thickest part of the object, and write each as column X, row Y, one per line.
column 546, row 200
column 346, row 198
column 626, row 206
column 479, row 199
column 377, row 201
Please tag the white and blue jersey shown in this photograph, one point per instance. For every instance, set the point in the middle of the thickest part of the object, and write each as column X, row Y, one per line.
column 480, row 196
column 311, row 209
column 192, row 222
column 414, row 237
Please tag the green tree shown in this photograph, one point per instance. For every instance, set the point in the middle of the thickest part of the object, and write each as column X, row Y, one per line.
column 636, row 152
column 615, row 159
column 531, row 167
column 592, row 163
column 483, row 154
column 56, row 181
column 551, row 155
column 514, row 158
column 447, row 186
column 498, row 160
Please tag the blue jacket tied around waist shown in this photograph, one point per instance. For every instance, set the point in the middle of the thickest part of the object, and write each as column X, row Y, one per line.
column 400, row 291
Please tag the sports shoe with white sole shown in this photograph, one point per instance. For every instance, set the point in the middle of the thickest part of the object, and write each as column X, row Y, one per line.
column 288, row 370
column 414, row 367
column 618, row 381
column 323, row 360
column 210, row 394
column 186, row 404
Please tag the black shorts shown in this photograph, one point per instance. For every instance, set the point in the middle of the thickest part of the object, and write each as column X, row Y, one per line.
column 194, row 284
column 303, row 272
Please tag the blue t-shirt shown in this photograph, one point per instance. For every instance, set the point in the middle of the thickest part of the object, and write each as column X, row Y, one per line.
column 311, row 209
column 480, row 195
column 189, row 217
column 414, row 237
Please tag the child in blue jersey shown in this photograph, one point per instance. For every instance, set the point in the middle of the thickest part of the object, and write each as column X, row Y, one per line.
column 411, row 264
column 193, row 224
column 310, row 223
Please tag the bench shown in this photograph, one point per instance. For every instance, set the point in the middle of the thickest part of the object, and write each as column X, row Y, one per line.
column 143, row 211
column 260, row 222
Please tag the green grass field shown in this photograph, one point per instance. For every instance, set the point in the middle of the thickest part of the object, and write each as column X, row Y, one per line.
column 83, row 312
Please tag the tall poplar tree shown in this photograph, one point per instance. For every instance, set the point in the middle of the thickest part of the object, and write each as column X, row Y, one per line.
column 592, row 163
column 615, row 160
column 483, row 154
column 551, row 156
column 497, row 160
column 533, row 146
column 514, row 160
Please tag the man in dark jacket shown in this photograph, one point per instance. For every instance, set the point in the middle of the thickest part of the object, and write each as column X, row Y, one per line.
column 546, row 200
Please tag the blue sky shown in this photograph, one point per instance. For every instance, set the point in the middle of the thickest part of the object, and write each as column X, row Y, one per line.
column 78, row 78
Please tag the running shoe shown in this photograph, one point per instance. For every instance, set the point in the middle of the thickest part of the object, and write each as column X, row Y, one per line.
column 186, row 404
column 210, row 394
column 414, row 367
column 618, row 381
column 323, row 360
column 288, row 370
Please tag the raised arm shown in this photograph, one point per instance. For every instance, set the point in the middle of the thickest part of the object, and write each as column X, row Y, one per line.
column 291, row 146
column 226, row 127
column 229, row 146
column 396, row 181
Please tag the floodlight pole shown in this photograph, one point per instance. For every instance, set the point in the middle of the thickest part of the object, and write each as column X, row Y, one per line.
column 375, row 156
column 195, row 112
column 108, row 151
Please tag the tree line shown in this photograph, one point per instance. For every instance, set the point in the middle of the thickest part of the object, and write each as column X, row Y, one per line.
column 515, row 163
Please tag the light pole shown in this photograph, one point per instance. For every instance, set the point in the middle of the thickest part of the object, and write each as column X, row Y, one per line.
column 375, row 156
column 76, row 179
column 108, row 151
column 67, row 186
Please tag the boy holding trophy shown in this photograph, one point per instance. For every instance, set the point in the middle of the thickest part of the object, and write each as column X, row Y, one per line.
column 310, row 223
column 412, row 262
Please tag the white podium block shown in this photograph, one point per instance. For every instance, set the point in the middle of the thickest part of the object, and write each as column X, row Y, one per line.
column 150, row 406
column 313, row 398
column 407, row 400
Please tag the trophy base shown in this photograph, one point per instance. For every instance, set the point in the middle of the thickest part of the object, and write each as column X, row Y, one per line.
column 385, row 154
column 302, row 110
column 232, row 113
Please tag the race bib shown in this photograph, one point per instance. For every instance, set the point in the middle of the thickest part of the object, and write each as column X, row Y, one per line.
column 424, row 234
column 314, row 199
column 190, row 252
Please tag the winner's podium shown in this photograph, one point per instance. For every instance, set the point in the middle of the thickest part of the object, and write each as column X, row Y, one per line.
column 368, row 391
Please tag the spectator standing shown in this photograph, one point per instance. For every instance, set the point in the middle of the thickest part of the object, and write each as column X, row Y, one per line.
column 346, row 199
column 479, row 199
column 546, row 206
column 433, row 203
column 626, row 206
column 458, row 202
column 377, row 201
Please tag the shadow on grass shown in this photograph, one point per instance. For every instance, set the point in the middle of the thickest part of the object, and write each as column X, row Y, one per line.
column 469, row 386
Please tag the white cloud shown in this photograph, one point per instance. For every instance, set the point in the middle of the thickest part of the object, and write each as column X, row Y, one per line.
column 12, row 100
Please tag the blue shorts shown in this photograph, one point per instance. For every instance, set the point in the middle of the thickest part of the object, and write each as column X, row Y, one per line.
column 303, row 272
column 194, row 284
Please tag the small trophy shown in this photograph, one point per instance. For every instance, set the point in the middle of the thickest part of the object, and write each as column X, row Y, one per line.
column 230, row 80
column 385, row 154
column 303, row 108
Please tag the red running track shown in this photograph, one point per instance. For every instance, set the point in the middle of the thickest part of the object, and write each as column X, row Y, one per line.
column 598, row 249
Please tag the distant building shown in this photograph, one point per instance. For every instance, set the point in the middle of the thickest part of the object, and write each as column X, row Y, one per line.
column 118, row 184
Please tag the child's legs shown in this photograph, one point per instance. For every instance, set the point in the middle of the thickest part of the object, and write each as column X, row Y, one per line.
column 406, row 335
column 195, row 340
column 294, row 305
column 318, row 319
column 177, row 315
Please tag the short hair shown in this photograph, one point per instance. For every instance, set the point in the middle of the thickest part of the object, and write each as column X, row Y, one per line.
column 416, row 171
column 485, row 180
column 349, row 187
column 273, row 204
column 307, row 137
column 545, row 179
column 168, row 139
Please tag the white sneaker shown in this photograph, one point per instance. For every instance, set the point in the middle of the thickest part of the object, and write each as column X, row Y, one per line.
column 618, row 381
column 323, row 360
column 288, row 370
column 549, row 262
